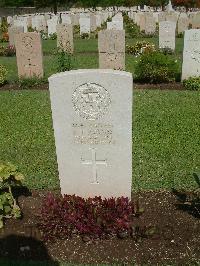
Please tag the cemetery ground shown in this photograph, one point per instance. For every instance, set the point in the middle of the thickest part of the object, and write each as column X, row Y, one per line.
column 165, row 156
column 85, row 56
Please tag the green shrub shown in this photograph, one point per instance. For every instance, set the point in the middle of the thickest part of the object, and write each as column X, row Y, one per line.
column 64, row 61
column 180, row 35
column 155, row 67
column 3, row 74
column 166, row 50
column 192, row 83
column 30, row 29
column 2, row 50
column 28, row 83
column 85, row 36
column 132, row 29
column 53, row 36
column 9, row 177
column 7, row 51
column 76, row 30
column 4, row 25
column 140, row 48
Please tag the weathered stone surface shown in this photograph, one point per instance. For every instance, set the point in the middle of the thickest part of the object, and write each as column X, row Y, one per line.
column 29, row 54
column 92, row 119
column 167, row 34
column 195, row 20
column 183, row 23
column 66, row 19
column 93, row 22
column 191, row 54
column 12, row 31
column 52, row 24
column 150, row 24
column 65, row 37
column 115, row 25
column 84, row 25
column 111, row 44
column 161, row 16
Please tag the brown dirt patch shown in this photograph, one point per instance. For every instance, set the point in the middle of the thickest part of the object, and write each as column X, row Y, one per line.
column 162, row 86
column 177, row 240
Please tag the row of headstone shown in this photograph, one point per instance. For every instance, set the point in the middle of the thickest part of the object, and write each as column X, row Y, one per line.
column 89, row 21
column 111, row 46
column 48, row 22
column 147, row 20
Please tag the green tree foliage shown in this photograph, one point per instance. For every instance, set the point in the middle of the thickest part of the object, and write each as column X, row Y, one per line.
column 16, row 3
column 54, row 3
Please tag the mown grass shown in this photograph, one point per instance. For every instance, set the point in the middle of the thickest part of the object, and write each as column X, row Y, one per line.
column 166, row 138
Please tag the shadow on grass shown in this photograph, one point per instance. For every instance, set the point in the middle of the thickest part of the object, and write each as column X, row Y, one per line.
column 20, row 250
column 189, row 201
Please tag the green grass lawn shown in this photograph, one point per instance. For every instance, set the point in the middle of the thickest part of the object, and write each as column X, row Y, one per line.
column 166, row 138
column 85, row 56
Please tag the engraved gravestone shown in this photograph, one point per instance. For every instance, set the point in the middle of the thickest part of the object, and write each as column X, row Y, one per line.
column 92, row 119
column 191, row 54
column 84, row 25
column 29, row 54
column 12, row 31
column 167, row 34
column 52, row 23
column 111, row 45
column 196, row 21
column 183, row 22
column 65, row 37
column 115, row 25
column 150, row 24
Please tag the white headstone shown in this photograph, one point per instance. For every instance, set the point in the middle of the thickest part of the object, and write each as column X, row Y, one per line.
column 167, row 34
column 65, row 37
column 115, row 25
column 191, row 54
column 84, row 25
column 12, row 32
column 66, row 19
column 52, row 24
column 150, row 24
column 111, row 46
column 92, row 119
column 183, row 22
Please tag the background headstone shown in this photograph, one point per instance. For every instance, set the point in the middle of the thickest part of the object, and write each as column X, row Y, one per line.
column 183, row 22
column 65, row 37
column 29, row 55
column 12, row 31
column 84, row 25
column 111, row 45
column 92, row 119
column 167, row 30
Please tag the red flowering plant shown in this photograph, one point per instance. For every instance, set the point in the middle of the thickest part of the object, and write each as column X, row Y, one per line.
column 61, row 217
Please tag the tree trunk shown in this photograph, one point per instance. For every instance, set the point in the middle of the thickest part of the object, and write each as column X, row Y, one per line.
column 55, row 7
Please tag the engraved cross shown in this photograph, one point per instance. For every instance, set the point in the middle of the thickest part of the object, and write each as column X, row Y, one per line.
column 94, row 162
column 90, row 98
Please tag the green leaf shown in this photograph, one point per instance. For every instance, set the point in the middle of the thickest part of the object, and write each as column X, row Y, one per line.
column 1, row 224
column 7, row 209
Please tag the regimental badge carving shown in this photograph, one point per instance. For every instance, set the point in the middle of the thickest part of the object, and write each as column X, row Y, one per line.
column 91, row 101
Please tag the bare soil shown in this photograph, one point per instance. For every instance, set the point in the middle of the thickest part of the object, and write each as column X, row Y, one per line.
column 177, row 239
